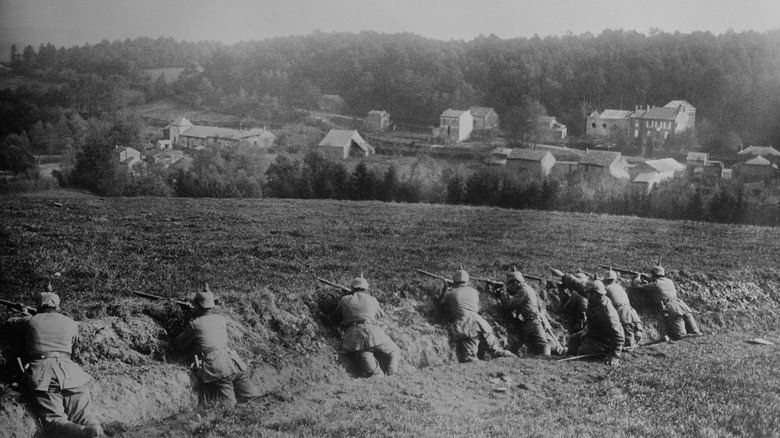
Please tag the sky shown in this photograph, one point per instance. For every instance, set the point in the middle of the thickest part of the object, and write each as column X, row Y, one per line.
column 76, row 22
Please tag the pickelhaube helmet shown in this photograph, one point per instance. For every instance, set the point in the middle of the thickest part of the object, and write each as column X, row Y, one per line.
column 658, row 271
column 596, row 286
column 514, row 275
column 359, row 283
column 204, row 299
column 460, row 276
column 581, row 276
column 611, row 275
column 48, row 299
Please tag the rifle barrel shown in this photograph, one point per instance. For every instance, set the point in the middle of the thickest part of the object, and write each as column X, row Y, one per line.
column 334, row 284
column 17, row 306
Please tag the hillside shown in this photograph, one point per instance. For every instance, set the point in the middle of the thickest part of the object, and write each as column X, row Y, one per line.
column 258, row 257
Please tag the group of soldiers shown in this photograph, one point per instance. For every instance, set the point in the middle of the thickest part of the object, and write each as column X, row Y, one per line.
column 57, row 386
column 598, row 313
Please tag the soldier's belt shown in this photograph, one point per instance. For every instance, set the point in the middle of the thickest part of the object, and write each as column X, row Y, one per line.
column 50, row 355
column 347, row 325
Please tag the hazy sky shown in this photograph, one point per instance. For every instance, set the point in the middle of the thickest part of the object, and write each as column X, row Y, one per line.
column 72, row 22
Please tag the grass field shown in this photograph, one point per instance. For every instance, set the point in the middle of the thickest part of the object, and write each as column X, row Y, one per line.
column 258, row 256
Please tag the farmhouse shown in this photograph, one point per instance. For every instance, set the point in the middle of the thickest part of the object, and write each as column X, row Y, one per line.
column 688, row 109
column 332, row 103
column 607, row 122
column 484, row 118
column 695, row 163
column 377, row 121
column 182, row 132
column 455, row 126
column 164, row 158
column 768, row 152
column 498, row 157
column 531, row 164
column 603, row 163
column 754, row 170
column 128, row 157
column 343, row 144
column 654, row 125
column 551, row 129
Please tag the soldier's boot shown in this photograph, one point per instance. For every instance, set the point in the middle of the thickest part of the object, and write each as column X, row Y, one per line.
column 690, row 326
column 500, row 352
column 96, row 431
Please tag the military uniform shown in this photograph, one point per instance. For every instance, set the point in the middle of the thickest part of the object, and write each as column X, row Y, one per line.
column 525, row 306
column 603, row 333
column 632, row 324
column 57, row 385
column 363, row 339
column 574, row 309
column 468, row 327
column 222, row 377
column 678, row 317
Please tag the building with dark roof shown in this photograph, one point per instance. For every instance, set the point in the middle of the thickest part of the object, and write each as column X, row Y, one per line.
column 340, row 143
column 603, row 163
column 531, row 164
column 182, row 132
column 484, row 118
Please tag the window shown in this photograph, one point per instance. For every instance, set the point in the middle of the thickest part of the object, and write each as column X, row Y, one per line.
column 593, row 125
column 636, row 133
column 604, row 125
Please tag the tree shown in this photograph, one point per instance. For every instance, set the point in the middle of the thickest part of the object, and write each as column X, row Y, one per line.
column 523, row 121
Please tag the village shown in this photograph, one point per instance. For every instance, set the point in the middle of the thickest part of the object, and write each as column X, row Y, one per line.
column 475, row 135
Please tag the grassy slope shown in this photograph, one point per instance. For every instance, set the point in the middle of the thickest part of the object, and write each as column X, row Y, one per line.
column 254, row 254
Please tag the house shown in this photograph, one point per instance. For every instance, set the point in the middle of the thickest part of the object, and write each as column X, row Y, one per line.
column 695, row 162
column 484, row 118
column 127, row 157
column 603, row 163
column 768, row 152
column 607, row 122
column 455, row 126
column 182, row 132
column 377, row 121
column 754, row 170
column 551, row 129
column 332, row 103
column 339, row 143
column 688, row 109
column 531, row 164
column 498, row 157
column 562, row 169
column 645, row 181
column 653, row 126
column 165, row 158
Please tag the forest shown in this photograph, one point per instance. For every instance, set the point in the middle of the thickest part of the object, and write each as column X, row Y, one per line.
column 733, row 79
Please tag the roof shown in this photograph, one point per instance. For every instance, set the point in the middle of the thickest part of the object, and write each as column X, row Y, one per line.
column 658, row 113
column 339, row 138
column 528, row 154
column 697, row 156
column 665, row 165
column 758, row 161
column 181, row 121
column 480, row 111
column 501, row 151
column 759, row 150
column 255, row 132
column 378, row 113
column 646, row 177
column 452, row 113
column 677, row 103
column 614, row 114
column 599, row 158
column 198, row 131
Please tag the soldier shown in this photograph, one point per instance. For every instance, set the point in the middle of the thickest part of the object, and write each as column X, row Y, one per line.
column 574, row 305
column 632, row 324
column 222, row 376
column 677, row 315
column 523, row 301
column 362, row 339
column 468, row 327
column 57, row 385
column 603, row 333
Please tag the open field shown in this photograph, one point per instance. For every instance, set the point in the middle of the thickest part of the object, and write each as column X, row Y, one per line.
column 257, row 255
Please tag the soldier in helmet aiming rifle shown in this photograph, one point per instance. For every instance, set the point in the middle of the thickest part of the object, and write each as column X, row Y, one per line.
column 468, row 328
column 678, row 317
column 357, row 314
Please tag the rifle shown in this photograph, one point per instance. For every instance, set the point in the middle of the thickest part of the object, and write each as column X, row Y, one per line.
column 336, row 285
column 18, row 307
column 430, row 274
column 626, row 271
column 582, row 356
column 183, row 304
column 501, row 283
